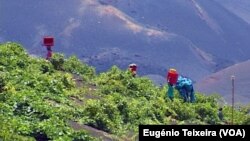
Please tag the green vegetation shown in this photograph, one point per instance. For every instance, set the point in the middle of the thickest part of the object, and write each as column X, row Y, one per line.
column 41, row 99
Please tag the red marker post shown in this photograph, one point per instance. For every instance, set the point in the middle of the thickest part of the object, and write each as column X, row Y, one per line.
column 48, row 42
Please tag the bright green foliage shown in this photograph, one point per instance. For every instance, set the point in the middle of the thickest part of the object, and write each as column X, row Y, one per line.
column 2, row 83
column 57, row 61
column 72, row 65
column 38, row 98
column 75, row 66
column 13, row 56
column 140, row 102
column 34, row 98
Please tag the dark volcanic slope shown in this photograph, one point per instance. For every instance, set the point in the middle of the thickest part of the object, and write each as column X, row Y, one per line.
column 206, row 23
column 240, row 8
column 220, row 82
column 194, row 36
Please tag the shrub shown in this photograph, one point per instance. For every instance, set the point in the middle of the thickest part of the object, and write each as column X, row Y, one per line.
column 57, row 61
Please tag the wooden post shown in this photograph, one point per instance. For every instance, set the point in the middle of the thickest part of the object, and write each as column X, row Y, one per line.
column 232, row 78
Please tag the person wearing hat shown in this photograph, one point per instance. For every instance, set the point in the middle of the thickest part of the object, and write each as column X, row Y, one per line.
column 133, row 69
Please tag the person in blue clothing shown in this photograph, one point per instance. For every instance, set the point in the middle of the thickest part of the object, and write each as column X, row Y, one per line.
column 185, row 87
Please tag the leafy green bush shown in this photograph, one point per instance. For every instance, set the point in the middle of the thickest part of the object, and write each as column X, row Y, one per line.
column 57, row 60
column 2, row 83
column 34, row 99
column 75, row 66
column 207, row 113
column 38, row 98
